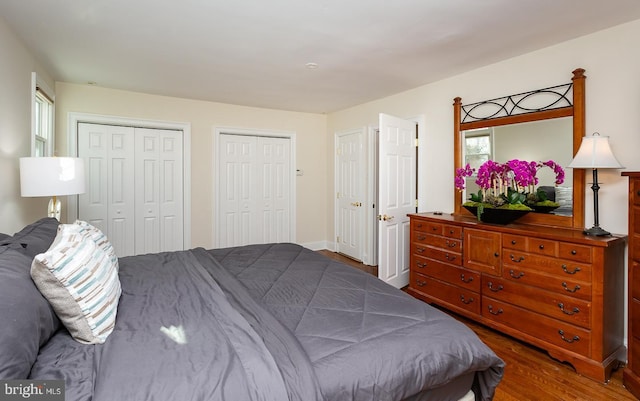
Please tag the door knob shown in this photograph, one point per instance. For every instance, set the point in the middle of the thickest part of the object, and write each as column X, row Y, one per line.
column 385, row 217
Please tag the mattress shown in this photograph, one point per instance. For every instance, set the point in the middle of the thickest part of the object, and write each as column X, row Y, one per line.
column 268, row 322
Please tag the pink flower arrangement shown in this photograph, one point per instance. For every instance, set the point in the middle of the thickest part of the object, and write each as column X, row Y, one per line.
column 510, row 182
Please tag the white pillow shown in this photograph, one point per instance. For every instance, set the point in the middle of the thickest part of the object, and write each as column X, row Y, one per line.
column 78, row 275
column 564, row 197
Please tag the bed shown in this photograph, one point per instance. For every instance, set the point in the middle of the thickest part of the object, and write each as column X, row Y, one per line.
column 258, row 322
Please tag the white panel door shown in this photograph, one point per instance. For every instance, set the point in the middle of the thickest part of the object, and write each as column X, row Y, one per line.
column 237, row 197
column 171, row 191
column 108, row 203
column 158, row 190
column 350, row 194
column 273, row 171
column 254, row 190
column 135, row 186
column 396, row 197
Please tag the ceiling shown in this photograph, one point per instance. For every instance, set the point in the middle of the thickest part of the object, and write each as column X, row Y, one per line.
column 255, row 52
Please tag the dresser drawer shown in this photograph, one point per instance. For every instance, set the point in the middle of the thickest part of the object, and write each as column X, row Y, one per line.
column 428, row 227
column 443, row 255
column 634, row 318
column 542, row 246
column 579, row 253
column 552, row 304
column 452, row 231
column 533, row 277
column 538, row 246
column 517, row 242
column 447, row 293
column 437, row 241
column 565, row 335
column 634, row 285
column 445, row 272
column 554, row 266
column 635, row 195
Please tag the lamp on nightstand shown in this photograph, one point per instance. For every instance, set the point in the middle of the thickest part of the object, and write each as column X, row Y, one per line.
column 595, row 153
column 51, row 176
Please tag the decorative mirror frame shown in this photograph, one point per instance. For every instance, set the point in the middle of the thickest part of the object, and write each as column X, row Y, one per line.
column 511, row 111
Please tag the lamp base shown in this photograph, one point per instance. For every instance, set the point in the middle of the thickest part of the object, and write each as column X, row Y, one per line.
column 54, row 209
column 596, row 231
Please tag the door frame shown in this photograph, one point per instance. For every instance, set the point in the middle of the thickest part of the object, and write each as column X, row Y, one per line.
column 370, row 256
column 291, row 136
column 73, row 118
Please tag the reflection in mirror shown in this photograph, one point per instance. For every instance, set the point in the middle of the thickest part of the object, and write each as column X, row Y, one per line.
column 531, row 141
column 486, row 119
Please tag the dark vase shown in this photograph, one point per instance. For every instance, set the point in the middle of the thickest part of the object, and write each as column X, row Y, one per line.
column 497, row 216
column 543, row 209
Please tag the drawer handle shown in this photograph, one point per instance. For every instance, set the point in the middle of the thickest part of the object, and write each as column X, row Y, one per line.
column 434, row 228
column 421, row 237
column 465, row 301
column 569, row 340
column 498, row 288
column 513, row 259
column 420, row 283
column 564, row 268
column 498, row 312
column 451, row 231
column 513, row 242
column 513, row 274
column 568, row 312
column 421, row 265
column 497, row 255
column 576, row 288
column 573, row 252
column 450, row 258
column 470, row 279
column 452, row 244
column 541, row 246
column 420, row 250
column 419, row 225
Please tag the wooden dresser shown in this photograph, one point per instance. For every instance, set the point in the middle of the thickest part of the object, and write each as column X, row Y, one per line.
column 554, row 288
column 631, row 374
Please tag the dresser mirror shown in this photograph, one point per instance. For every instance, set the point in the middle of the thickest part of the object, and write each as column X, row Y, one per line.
column 539, row 125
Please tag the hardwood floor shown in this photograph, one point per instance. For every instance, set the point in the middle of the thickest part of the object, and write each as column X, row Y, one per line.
column 530, row 373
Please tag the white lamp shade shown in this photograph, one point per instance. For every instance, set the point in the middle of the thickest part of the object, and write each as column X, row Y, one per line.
column 51, row 176
column 595, row 152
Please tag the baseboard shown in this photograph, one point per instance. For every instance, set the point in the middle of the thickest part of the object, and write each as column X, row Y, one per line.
column 319, row 245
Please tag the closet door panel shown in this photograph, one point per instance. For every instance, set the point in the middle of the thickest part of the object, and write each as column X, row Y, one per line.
column 108, row 204
column 147, row 191
column 171, row 191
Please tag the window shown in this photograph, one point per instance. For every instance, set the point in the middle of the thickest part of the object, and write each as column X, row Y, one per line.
column 477, row 147
column 42, row 130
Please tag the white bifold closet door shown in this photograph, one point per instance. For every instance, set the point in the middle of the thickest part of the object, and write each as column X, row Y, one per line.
column 254, row 198
column 134, row 186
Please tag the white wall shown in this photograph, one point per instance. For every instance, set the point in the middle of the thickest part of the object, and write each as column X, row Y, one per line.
column 612, row 65
column 15, row 130
column 204, row 117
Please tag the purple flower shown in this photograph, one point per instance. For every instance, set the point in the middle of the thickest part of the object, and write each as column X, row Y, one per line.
column 489, row 174
column 524, row 173
column 501, row 179
column 461, row 173
column 557, row 169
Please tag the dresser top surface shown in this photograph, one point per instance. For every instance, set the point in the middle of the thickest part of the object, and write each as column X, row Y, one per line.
column 557, row 233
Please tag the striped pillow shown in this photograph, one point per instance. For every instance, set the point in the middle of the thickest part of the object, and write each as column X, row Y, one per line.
column 79, row 277
column 99, row 238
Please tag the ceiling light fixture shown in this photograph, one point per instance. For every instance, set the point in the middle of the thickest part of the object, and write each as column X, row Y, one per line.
column 311, row 66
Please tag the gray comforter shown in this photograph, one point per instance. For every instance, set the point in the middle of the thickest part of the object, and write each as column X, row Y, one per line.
column 266, row 322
